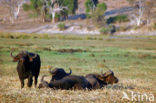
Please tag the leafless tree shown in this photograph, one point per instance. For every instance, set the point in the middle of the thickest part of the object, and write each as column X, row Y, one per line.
column 143, row 11
column 149, row 10
column 54, row 8
column 138, row 13
column 14, row 7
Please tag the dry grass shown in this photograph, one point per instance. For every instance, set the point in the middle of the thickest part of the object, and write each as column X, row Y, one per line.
column 11, row 93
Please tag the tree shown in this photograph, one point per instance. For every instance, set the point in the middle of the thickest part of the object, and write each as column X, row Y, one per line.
column 138, row 13
column 56, row 9
column 14, row 7
column 149, row 10
column 71, row 4
column 46, row 7
column 64, row 7
column 37, row 7
column 98, row 14
column 143, row 9
column 90, row 6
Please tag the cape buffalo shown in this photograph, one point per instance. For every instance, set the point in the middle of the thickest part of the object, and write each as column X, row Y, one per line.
column 68, row 82
column 27, row 67
column 43, row 84
column 100, row 80
column 59, row 73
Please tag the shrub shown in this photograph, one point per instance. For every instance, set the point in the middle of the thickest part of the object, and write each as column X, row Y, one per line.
column 119, row 18
column 108, row 29
column 57, row 16
column 62, row 26
column 105, row 30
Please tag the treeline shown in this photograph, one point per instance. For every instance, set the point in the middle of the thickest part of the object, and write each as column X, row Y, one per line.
column 56, row 9
column 52, row 9
column 143, row 13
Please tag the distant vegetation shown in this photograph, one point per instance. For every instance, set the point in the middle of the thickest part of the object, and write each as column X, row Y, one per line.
column 90, row 6
column 63, row 8
column 104, row 30
column 118, row 19
column 62, row 26
column 97, row 15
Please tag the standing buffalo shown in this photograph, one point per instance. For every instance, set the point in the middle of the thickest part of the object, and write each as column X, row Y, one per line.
column 100, row 80
column 68, row 82
column 28, row 66
column 59, row 73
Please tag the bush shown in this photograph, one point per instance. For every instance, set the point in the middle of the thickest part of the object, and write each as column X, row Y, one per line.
column 119, row 18
column 57, row 16
column 62, row 26
column 48, row 16
column 108, row 29
column 105, row 30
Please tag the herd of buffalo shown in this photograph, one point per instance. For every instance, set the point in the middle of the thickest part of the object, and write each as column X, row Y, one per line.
column 29, row 66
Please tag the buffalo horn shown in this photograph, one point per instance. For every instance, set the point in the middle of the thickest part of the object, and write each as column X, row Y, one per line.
column 12, row 55
column 70, row 71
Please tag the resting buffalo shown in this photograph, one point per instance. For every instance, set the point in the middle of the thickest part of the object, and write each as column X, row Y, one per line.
column 59, row 73
column 68, row 82
column 100, row 80
column 27, row 67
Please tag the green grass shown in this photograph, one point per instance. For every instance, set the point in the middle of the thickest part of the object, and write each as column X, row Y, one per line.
column 132, row 60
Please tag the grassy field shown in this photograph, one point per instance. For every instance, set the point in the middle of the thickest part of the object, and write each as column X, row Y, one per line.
column 133, row 60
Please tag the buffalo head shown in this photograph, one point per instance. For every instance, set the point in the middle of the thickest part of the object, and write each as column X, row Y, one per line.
column 108, row 77
column 99, row 80
column 59, row 73
column 23, row 56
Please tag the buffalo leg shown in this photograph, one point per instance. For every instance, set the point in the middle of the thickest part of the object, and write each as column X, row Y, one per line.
column 22, row 83
column 36, row 77
column 30, row 80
